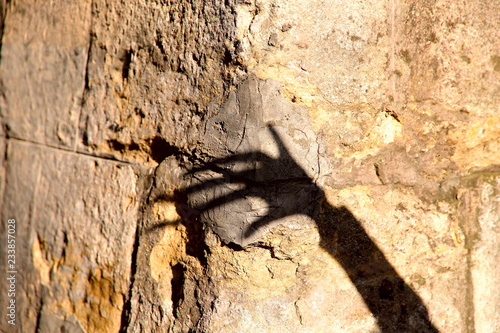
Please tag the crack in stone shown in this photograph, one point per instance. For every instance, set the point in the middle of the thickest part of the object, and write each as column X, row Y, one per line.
column 70, row 151
column 127, row 315
column 86, row 81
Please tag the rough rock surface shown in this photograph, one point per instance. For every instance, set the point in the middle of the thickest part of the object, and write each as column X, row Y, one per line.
column 250, row 166
column 258, row 135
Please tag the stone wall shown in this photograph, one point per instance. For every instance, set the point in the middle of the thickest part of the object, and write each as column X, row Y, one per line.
column 250, row 166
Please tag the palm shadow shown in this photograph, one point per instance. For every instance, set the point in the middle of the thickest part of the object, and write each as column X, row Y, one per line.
column 396, row 307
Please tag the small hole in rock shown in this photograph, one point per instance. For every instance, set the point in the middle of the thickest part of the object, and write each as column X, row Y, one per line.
column 161, row 149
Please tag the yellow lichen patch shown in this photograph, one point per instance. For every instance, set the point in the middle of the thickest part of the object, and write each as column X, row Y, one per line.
column 97, row 296
column 166, row 211
column 170, row 250
column 100, row 309
column 40, row 263
column 104, row 303
column 355, row 130
column 478, row 145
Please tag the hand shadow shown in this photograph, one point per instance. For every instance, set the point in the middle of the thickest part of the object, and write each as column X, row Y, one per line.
column 396, row 307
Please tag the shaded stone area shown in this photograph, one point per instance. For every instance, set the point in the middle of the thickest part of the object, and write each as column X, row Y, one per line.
column 266, row 148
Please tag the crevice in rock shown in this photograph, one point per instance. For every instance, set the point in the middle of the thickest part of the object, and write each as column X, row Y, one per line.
column 101, row 156
column 116, row 145
column 297, row 312
column 155, row 148
column 161, row 149
column 86, row 82
column 469, row 320
column 177, row 287
column 377, row 172
column 126, row 316
column 392, row 114
column 195, row 242
column 233, row 246
column 3, row 14
column 127, row 60
column 268, row 248
column 127, row 307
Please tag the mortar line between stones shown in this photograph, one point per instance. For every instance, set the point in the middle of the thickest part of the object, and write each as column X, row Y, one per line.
column 2, row 25
column 28, row 85
column 69, row 150
column 85, row 82
column 4, row 180
column 32, row 218
column 45, row 112
column 470, row 312
column 469, row 289
column 393, row 49
column 127, row 316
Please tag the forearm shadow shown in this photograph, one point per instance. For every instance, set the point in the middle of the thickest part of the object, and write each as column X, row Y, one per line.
column 396, row 307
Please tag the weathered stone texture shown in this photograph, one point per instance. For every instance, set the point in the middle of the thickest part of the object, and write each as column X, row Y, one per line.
column 44, row 55
column 355, row 186
column 74, row 235
column 153, row 69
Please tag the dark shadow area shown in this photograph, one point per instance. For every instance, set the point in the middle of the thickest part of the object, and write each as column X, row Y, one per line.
column 396, row 307
column 3, row 13
column 195, row 242
column 394, row 304
column 177, row 286
column 160, row 149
